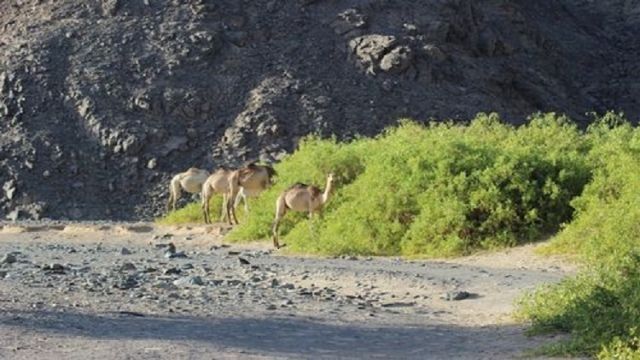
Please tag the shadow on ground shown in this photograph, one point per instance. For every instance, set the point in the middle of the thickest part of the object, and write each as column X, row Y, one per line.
column 282, row 336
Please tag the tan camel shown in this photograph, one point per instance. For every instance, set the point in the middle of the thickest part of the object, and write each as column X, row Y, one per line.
column 190, row 181
column 218, row 183
column 300, row 197
column 248, row 181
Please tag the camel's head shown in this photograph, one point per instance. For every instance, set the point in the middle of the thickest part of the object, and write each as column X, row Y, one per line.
column 330, row 177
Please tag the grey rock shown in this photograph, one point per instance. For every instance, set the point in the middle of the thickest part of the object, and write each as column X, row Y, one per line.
column 8, row 259
column 54, row 269
column 189, row 280
column 398, row 60
column 456, row 295
column 369, row 49
column 125, row 251
column 126, row 283
column 434, row 53
column 288, row 286
column 152, row 164
column 234, row 282
column 128, row 267
column 172, row 271
column 9, row 188
column 395, row 304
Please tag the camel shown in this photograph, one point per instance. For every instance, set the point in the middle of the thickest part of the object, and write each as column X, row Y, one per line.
column 248, row 181
column 190, row 181
column 301, row 197
column 218, row 182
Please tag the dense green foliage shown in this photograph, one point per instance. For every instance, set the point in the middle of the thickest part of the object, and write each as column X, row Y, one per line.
column 601, row 307
column 449, row 189
column 438, row 190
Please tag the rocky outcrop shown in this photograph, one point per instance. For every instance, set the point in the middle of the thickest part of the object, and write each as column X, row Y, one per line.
column 102, row 100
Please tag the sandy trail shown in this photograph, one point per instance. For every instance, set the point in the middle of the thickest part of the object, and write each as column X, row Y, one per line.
column 109, row 291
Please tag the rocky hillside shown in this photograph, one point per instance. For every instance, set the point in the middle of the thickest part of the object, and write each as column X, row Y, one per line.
column 101, row 100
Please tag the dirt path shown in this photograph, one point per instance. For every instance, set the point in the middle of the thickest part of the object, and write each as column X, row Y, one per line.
column 113, row 291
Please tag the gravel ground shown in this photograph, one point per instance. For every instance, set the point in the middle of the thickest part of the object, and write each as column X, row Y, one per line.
column 136, row 291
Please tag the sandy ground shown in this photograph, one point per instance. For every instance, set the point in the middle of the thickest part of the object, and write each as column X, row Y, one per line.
column 113, row 291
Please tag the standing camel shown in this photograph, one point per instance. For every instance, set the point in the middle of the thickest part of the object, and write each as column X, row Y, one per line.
column 190, row 181
column 300, row 197
column 250, row 180
column 218, row 182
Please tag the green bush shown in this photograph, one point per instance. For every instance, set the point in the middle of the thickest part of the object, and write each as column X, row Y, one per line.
column 448, row 189
column 601, row 307
column 435, row 190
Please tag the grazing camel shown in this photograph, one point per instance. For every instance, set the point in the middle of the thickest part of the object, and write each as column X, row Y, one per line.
column 301, row 197
column 190, row 181
column 218, row 182
column 250, row 180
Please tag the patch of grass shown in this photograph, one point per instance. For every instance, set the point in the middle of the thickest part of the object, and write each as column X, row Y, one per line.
column 192, row 213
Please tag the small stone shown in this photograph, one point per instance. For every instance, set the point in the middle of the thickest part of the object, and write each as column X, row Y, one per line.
column 3, row 274
column 189, row 280
column 125, row 251
column 243, row 261
column 456, row 295
column 172, row 271
column 8, row 259
column 271, row 307
column 128, row 267
column 54, row 269
column 170, row 255
column 398, row 304
column 152, row 164
column 126, row 283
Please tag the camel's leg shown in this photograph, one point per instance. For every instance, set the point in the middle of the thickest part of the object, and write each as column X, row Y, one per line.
column 223, row 210
column 205, row 204
column 234, row 189
column 231, row 211
column 242, row 196
column 281, row 210
column 174, row 194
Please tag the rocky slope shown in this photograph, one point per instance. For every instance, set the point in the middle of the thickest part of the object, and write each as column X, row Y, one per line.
column 101, row 100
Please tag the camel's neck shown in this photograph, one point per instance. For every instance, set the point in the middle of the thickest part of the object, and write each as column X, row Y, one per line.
column 327, row 192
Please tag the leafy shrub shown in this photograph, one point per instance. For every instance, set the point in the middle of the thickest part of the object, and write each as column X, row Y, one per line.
column 441, row 189
column 600, row 307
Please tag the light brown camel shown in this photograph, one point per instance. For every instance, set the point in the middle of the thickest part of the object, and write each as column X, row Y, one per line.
column 250, row 180
column 190, row 181
column 301, row 197
column 218, row 183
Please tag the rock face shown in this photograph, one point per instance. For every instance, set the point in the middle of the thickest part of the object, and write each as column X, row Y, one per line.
column 102, row 100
